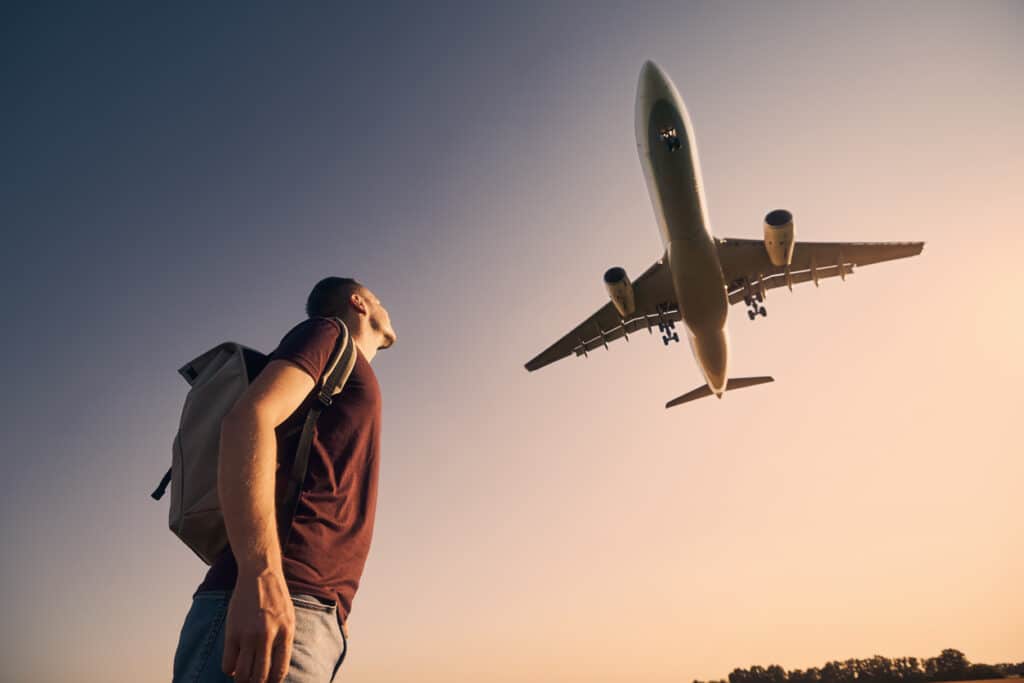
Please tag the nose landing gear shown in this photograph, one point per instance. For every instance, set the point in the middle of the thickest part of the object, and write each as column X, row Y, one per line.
column 670, row 138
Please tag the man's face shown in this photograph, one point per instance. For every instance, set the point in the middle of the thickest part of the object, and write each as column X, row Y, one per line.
column 380, row 321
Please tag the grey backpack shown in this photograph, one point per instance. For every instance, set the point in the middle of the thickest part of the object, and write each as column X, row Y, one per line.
column 218, row 378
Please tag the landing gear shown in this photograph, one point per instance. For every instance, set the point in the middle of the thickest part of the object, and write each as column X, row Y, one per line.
column 670, row 137
column 666, row 327
column 754, row 301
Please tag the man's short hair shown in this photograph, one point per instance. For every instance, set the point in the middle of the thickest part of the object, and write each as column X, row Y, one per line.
column 330, row 297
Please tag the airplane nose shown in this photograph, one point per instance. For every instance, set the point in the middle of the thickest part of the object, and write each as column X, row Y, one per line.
column 649, row 78
column 652, row 80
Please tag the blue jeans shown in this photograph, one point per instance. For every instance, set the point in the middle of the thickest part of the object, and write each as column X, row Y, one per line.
column 317, row 652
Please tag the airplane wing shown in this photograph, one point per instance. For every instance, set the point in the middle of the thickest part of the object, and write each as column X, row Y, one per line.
column 655, row 304
column 747, row 268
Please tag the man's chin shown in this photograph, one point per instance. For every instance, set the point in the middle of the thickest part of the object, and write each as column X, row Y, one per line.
column 389, row 341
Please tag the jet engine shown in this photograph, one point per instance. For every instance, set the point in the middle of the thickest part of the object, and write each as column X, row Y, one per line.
column 778, row 237
column 620, row 290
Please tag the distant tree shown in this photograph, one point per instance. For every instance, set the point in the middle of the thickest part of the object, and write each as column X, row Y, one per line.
column 812, row 675
column 740, row 676
column 977, row 672
column 950, row 665
column 878, row 669
column 758, row 674
column 775, row 674
column 798, row 676
column 908, row 670
column 838, row 672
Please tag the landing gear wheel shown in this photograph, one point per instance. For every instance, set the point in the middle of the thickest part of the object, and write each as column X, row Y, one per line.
column 763, row 312
column 751, row 314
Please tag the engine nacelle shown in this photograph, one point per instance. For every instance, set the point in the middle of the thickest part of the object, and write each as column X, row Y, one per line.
column 620, row 290
column 779, row 237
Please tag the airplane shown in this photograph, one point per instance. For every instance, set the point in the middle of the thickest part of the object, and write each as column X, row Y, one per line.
column 699, row 276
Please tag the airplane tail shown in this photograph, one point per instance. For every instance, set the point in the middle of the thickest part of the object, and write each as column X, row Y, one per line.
column 704, row 390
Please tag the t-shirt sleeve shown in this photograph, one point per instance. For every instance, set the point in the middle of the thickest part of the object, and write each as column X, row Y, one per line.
column 309, row 345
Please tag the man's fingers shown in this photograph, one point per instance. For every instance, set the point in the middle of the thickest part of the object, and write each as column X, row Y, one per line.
column 260, row 662
column 281, row 656
column 243, row 667
column 229, row 660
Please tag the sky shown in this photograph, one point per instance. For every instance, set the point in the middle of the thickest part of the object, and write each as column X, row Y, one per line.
column 178, row 176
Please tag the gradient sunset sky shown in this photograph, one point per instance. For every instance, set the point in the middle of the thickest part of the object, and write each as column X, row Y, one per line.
column 177, row 176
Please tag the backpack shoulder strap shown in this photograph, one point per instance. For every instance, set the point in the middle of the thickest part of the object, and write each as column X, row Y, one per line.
column 341, row 364
column 342, row 360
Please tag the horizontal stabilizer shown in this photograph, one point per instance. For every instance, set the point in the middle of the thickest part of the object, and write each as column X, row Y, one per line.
column 704, row 390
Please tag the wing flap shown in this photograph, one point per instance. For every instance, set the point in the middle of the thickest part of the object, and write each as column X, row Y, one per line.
column 736, row 294
column 745, row 263
column 655, row 303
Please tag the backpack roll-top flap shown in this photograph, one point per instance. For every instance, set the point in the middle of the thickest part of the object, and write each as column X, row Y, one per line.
column 207, row 363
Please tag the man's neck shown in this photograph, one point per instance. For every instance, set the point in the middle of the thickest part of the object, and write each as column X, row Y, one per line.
column 366, row 341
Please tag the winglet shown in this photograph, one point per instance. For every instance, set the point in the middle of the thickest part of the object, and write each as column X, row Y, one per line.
column 703, row 390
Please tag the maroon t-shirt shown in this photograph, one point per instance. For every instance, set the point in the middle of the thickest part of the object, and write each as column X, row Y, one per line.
column 333, row 525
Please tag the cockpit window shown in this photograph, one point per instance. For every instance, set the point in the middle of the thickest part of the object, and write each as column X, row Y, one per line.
column 670, row 137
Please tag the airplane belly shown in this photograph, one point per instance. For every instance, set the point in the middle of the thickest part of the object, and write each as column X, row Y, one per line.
column 711, row 349
column 699, row 286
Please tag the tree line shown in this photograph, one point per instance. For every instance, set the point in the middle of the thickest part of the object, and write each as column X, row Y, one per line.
column 950, row 665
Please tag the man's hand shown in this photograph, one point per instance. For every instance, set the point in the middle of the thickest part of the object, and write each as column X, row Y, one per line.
column 260, row 629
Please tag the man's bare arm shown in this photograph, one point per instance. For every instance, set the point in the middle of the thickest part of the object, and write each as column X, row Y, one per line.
column 261, row 618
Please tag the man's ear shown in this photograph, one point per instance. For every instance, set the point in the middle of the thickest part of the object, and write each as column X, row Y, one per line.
column 358, row 303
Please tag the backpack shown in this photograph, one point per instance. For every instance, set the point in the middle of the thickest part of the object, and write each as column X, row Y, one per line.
column 217, row 379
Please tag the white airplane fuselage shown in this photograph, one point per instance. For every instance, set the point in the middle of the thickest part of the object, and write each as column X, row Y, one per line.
column 668, row 154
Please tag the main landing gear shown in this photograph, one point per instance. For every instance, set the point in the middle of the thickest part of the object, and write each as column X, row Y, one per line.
column 753, row 296
column 755, row 306
column 666, row 327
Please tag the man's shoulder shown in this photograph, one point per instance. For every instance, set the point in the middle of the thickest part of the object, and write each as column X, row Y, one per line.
column 309, row 344
column 314, row 327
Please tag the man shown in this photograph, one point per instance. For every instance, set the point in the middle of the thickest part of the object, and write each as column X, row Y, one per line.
column 267, row 613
